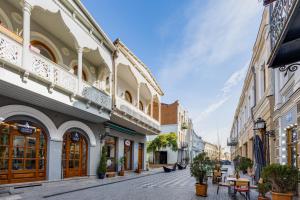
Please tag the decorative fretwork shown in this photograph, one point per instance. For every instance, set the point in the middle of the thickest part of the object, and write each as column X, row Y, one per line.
column 10, row 51
column 41, row 67
column 97, row 96
column 280, row 14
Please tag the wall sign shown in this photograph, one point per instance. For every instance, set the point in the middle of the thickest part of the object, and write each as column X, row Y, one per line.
column 127, row 143
column 26, row 129
column 75, row 137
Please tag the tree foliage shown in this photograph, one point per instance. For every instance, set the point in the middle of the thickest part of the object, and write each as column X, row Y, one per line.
column 102, row 165
column 163, row 141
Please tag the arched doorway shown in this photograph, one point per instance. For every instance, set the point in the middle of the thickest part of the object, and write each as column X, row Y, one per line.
column 23, row 151
column 74, row 154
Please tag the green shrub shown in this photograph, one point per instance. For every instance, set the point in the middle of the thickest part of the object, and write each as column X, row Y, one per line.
column 263, row 188
column 282, row 178
column 103, row 160
column 200, row 167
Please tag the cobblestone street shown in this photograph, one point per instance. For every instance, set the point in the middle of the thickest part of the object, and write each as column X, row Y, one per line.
column 177, row 185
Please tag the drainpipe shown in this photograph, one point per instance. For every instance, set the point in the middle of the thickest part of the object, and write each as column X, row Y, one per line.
column 252, row 109
column 114, row 56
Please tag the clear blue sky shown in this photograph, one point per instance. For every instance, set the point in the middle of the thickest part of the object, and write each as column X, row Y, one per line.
column 197, row 49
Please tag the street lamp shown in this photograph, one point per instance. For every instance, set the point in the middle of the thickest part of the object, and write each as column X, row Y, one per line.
column 260, row 124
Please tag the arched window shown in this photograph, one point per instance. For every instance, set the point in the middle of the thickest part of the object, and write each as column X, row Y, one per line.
column 84, row 76
column 149, row 109
column 141, row 106
column 44, row 50
column 128, row 97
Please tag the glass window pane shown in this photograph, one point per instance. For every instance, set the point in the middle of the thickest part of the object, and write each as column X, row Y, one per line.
column 71, row 164
column 30, row 164
column 4, row 151
column 42, row 164
column 3, row 164
column 31, row 141
column 18, row 152
column 76, row 163
column 42, row 154
column 4, row 139
column 19, row 141
column 18, row 164
column 30, row 153
column 42, row 140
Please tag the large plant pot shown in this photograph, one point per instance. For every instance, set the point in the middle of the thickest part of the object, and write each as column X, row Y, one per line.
column 201, row 189
column 122, row 173
column 282, row 196
column 101, row 175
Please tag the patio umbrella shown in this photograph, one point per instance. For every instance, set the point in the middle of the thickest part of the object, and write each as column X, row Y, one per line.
column 260, row 161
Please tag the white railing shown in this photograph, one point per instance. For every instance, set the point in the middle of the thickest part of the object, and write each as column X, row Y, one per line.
column 10, row 50
column 53, row 74
column 95, row 95
column 134, row 112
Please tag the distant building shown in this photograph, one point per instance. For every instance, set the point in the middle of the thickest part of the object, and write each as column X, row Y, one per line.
column 196, row 144
column 212, row 150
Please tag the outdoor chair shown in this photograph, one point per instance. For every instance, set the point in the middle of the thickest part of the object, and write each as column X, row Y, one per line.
column 181, row 167
column 217, row 176
column 167, row 169
column 242, row 187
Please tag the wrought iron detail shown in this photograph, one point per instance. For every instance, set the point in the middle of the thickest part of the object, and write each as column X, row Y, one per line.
column 279, row 17
column 289, row 68
column 232, row 142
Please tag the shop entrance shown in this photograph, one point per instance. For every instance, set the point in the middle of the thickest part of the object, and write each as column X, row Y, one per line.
column 74, row 155
column 23, row 152
column 128, row 154
column 141, row 156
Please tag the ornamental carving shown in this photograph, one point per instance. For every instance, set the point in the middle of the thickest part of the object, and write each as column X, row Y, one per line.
column 96, row 96
column 9, row 52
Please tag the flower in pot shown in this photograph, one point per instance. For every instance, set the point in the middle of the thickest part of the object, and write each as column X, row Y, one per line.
column 102, row 165
column 283, row 180
column 122, row 162
column 263, row 187
column 199, row 169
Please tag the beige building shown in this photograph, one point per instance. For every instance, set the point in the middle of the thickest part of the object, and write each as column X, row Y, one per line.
column 256, row 100
column 212, row 150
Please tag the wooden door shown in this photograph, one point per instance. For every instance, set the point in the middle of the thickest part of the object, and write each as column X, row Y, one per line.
column 141, row 156
column 74, row 157
column 128, row 156
column 22, row 156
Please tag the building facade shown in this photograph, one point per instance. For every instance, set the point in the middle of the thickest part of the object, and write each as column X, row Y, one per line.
column 196, row 144
column 212, row 150
column 66, row 92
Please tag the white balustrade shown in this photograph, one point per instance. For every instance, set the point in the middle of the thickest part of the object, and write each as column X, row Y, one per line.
column 134, row 112
column 51, row 73
column 10, row 50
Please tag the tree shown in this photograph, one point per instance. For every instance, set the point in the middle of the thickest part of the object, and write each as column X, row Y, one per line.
column 163, row 141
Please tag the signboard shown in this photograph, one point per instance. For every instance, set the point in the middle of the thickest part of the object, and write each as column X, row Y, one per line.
column 26, row 129
column 75, row 137
column 127, row 143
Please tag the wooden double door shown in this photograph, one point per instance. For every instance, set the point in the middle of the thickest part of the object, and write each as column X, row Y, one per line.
column 23, row 156
column 74, row 156
column 141, row 156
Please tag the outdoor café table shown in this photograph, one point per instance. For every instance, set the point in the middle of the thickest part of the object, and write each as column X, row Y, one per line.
column 234, row 180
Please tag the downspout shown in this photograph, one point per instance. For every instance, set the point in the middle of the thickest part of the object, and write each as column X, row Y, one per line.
column 114, row 56
column 252, row 109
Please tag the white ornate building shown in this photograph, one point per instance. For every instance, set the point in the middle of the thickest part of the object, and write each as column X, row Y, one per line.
column 60, row 79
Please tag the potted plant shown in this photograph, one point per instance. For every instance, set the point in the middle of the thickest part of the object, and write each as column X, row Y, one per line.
column 102, row 165
column 122, row 162
column 283, row 180
column 245, row 164
column 263, row 187
column 199, row 169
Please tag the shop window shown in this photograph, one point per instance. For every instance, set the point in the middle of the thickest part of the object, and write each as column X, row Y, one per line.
column 44, row 50
column 111, row 146
column 128, row 97
column 141, row 106
column 84, row 76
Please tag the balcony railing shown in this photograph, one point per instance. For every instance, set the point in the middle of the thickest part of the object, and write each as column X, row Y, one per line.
column 280, row 15
column 51, row 73
column 232, row 141
column 137, row 114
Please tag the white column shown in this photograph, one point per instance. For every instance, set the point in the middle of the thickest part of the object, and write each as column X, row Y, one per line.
column 120, row 150
column 79, row 68
column 26, row 37
column 277, row 89
column 138, row 95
